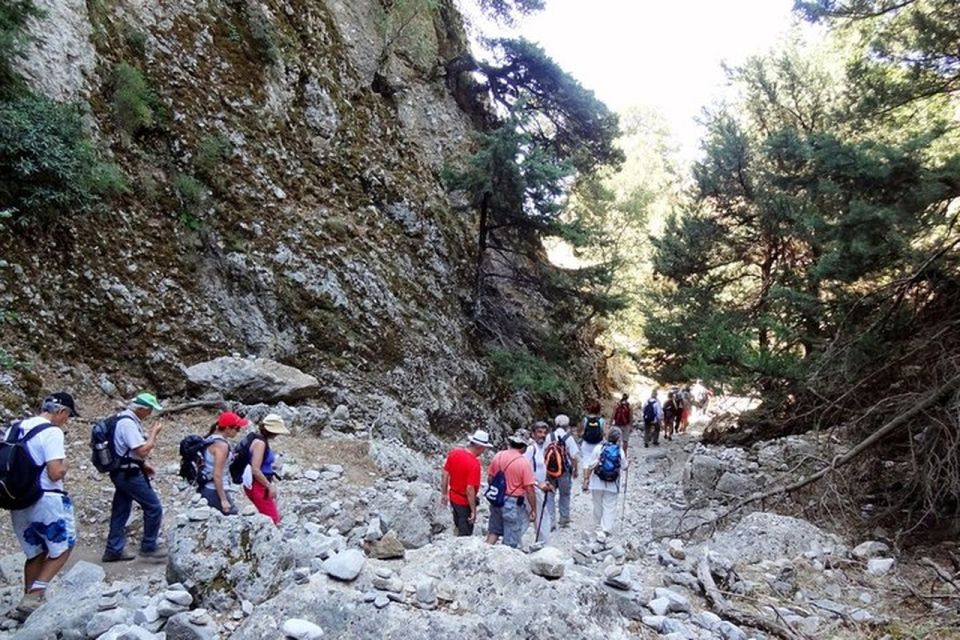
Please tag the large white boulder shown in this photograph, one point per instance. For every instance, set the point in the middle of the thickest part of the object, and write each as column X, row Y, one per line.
column 252, row 380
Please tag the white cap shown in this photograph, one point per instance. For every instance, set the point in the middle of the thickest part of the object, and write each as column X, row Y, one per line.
column 562, row 420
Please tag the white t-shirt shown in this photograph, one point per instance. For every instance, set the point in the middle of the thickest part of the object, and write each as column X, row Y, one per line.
column 596, row 484
column 128, row 435
column 534, row 454
column 573, row 450
column 44, row 447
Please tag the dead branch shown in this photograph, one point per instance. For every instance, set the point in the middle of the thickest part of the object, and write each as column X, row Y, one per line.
column 724, row 609
column 940, row 571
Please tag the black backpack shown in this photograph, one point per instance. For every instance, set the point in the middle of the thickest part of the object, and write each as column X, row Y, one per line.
column 191, row 459
column 19, row 473
column 593, row 430
column 102, row 453
column 650, row 412
column 241, row 456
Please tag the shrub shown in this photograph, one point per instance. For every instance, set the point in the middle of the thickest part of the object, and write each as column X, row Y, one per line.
column 48, row 165
column 523, row 371
column 211, row 152
column 134, row 103
column 190, row 192
column 263, row 32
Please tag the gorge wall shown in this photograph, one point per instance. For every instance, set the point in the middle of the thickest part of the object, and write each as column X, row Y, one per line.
column 285, row 200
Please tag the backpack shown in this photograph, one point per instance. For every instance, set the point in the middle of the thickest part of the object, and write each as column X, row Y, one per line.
column 650, row 412
column 496, row 493
column 592, row 430
column 103, row 455
column 608, row 466
column 556, row 457
column 622, row 415
column 241, row 456
column 191, row 459
column 19, row 473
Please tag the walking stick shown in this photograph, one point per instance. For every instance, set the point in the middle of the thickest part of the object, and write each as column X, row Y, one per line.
column 623, row 507
column 543, row 511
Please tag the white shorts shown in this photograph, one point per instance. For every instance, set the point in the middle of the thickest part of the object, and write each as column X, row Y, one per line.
column 47, row 526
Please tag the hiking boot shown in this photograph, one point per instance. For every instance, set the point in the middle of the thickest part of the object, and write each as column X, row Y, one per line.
column 564, row 524
column 159, row 553
column 29, row 603
column 122, row 556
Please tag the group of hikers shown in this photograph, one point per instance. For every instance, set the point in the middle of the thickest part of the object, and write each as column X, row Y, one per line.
column 33, row 467
column 533, row 478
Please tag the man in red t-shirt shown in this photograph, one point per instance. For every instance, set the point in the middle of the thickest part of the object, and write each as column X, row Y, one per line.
column 461, row 482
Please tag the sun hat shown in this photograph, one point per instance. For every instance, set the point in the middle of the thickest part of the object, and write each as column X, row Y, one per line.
column 562, row 420
column 272, row 423
column 63, row 399
column 230, row 420
column 480, row 438
column 520, row 436
column 149, row 401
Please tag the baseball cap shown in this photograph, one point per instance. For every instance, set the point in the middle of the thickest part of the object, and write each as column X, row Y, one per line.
column 149, row 401
column 63, row 399
column 230, row 420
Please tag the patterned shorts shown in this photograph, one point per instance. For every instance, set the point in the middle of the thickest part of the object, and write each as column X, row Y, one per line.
column 46, row 527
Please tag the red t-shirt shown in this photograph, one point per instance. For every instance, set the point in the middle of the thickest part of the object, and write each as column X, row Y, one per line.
column 464, row 470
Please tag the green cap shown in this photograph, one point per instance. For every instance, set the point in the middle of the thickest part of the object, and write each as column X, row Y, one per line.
column 148, row 400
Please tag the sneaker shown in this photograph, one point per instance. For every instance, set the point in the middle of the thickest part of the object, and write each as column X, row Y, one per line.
column 123, row 556
column 29, row 603
column 564, row 524
column 159, row 553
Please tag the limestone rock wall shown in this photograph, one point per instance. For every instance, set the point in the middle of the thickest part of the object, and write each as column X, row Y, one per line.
column 323, row 238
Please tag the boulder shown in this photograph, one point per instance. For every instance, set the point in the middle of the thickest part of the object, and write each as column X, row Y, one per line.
column 128, row 632
column 676, row 602
column 870, row 549
column 702, row 473
column 184, row 627
column 72, row 602
column 345, row 566
column 879, row 566
column 768, row 536
column 409, row 510
column 300, row 629
column 549, row 562
column 226, row 557
column 252, row 380
column 388, row 547
column 736, row 484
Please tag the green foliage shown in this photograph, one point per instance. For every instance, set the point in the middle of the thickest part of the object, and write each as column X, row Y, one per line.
column 507, row 11
column 48, row 166
column 136, row 40
column 211, row 152
column 266, row 40
column 190, row 192
column 523, row 371
column 13, row 19
column 402, row 24
column 134, row 102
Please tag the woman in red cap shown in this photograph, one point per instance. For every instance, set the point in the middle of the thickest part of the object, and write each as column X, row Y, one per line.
column 216, row 462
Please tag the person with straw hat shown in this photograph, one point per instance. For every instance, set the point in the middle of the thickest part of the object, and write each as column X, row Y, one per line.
column 461, row 481
column 131, row 481
column 258, row 476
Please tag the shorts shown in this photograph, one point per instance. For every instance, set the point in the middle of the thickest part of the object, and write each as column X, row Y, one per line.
column 47, row 527
column 495, row 523
column 625, row 431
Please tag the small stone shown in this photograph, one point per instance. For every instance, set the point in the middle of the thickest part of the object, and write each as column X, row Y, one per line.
column 394, row 585
column 301, row 575
column 548, row 562
column 381, row 601
column 870, row 549
column 879, row 566
column 311, row 474
column 178, row 597
column 427, row 592
column 659, row 606
column 300, row 629
column 199, row 514
column 675, row 548
column 146, row 615
column 345, row 565
column 678, row 603
column 168, row 609
column 247, row 607
column 384, row 572
column 654, row 622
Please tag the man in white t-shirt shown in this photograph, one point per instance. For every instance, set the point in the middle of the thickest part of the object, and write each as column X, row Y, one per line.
column 563, row 484
column 132, row 481
column 46, row 530
column 605, row 492
column 544, row 490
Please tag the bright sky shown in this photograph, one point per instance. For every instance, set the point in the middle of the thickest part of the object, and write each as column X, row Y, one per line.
column 662, row 53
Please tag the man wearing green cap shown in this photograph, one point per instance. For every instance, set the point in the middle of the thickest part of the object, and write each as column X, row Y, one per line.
column 132, row 481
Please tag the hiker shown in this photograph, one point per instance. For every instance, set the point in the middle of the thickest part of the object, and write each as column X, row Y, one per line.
column 567, row 447
column 217, row 487
column 601, row 478
column 46, row 529
column 652, row 419
column 131, row 481
column 701, row 396
column 258, row 472
column 520, row 504
column 670, row 415
column 593, row 430
column 543, row 489
column 623, row 418
column 460, row 485
column 685, row 404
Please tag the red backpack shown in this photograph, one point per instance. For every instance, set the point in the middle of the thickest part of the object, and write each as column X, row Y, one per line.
column 622, row 415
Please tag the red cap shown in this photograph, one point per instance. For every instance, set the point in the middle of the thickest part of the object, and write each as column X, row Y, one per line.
column 230, row 420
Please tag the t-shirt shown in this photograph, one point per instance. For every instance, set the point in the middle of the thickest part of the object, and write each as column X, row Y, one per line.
column 535, row 456
column 464, row 470
column 596, row 484
column 128, row 435
column 516, row 469
column 573, row 450
column 44, row 447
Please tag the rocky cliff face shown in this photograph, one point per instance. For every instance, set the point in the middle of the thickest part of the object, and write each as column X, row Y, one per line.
column 285, row 202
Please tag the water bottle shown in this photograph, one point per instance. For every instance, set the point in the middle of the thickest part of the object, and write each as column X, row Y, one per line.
column 101, row 454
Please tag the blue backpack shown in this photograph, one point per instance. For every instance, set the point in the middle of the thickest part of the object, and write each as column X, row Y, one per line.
column 496, row 493
column 608, row 467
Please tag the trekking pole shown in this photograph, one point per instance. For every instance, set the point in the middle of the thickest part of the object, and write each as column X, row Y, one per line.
column 543, row 511
column 623, row 507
